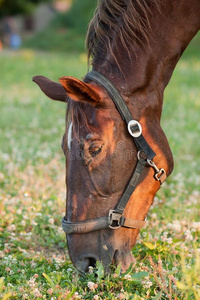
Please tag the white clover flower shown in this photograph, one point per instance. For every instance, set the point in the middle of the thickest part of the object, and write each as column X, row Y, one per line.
column 147, row 284
column 69, row 270
column 176, row 226
column 11, row 227
column 31, row 282
column 51, row 221
column 196, row 225
column 33, row 223
column 77, row 296
column 188, row 235
column 23, row 223
column 37, row 292
column 169, row 240
column 128, row 277
column 10, row 285
column 91, row 285
column 91, row 269
column 154, row 216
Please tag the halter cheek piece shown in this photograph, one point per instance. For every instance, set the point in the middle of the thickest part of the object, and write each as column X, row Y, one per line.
column 115, row 219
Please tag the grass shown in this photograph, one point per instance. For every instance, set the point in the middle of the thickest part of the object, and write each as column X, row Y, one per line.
column 34, row 263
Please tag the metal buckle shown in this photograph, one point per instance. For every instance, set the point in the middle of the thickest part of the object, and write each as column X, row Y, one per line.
column 115, row 219
column 160, row 174
column 137, row 131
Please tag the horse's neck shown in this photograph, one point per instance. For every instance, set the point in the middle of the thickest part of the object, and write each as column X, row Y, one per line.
column 150, row 67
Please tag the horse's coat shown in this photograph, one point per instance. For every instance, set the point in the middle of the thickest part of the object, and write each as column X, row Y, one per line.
column 136, row 44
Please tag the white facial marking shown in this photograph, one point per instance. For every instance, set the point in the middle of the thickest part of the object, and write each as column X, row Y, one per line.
column 69, row 136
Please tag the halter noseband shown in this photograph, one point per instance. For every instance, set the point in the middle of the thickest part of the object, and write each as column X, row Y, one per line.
column 115, row 219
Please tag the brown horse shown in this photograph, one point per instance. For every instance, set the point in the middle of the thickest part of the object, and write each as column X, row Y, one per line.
column 113, row 173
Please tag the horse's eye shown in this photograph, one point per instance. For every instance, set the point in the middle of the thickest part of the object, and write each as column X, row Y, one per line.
column 95, row 150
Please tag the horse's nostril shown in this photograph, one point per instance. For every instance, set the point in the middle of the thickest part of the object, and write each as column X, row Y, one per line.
column 86, row 263
column 92, row 262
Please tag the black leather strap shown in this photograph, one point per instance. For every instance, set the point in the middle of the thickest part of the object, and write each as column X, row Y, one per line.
column 121, row 106
column 99, row 224
column 113, row 93
column 131, row 186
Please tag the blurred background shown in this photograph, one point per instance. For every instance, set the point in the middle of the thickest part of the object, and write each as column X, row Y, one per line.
column 44, row 24
column 46, row 37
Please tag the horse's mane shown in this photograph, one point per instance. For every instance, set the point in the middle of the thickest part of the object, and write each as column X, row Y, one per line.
column 129, row 21
column 126, row 19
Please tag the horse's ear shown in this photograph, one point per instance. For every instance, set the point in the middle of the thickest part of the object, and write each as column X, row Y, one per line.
column 50, row 88
column 81, row 91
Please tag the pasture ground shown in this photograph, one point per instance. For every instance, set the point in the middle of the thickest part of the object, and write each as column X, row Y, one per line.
column 34, row 262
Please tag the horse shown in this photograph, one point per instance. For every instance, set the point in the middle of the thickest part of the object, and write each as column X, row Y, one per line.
column 117, row 155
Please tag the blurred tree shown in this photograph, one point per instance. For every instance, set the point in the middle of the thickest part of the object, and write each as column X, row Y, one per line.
column 14, row 7
column 67, row 31
column 78, row 16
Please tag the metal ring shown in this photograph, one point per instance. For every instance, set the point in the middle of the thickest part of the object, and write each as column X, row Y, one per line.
column 138, row 132
column 142, row 155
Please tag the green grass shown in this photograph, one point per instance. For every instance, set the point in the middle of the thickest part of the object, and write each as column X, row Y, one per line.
column 34, row 263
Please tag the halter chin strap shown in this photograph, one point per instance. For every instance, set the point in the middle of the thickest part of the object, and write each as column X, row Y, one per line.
column 115, row 218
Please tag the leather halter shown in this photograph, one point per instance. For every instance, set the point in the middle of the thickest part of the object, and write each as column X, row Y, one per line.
column 115, row 219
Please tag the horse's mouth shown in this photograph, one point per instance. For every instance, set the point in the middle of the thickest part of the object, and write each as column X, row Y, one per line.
column 84, row 264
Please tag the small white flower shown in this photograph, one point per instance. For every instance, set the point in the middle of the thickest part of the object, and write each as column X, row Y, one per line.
column 69, row 270
column 196, row 225
column 91, row 285
column 90, row 269
column 128, row 277
column 154, row 216
column 169, row 240
column 51, row 221
column 144, row 234
column 14, row 261
column 23, row 223
column 33, row 223
column 188, row 235
column 148, row 284
column 9, row 285
column 11, row 227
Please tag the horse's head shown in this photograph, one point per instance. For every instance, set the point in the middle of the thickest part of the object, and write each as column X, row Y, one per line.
column 100, row 159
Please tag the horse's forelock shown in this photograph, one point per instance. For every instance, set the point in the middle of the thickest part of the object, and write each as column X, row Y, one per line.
column 76, row 116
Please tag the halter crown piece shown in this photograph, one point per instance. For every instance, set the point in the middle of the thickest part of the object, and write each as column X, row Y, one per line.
column 145, row 156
